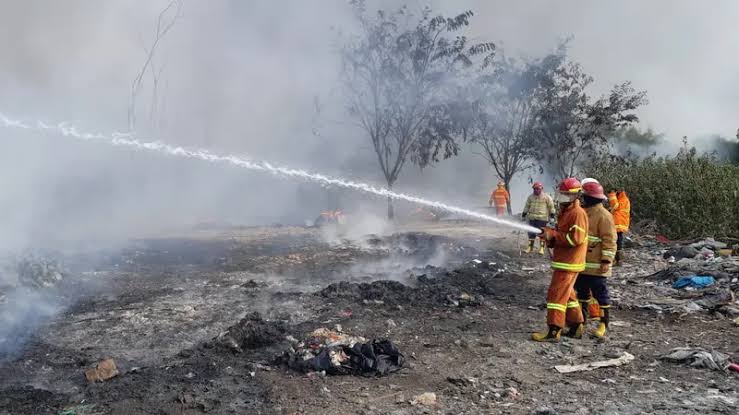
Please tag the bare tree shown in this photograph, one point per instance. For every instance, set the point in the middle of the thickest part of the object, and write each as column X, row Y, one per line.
column 503, row 117
column 165, row 22
column 400, row 85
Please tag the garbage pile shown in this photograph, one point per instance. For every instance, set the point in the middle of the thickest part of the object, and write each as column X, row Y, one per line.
column 700, row 276
column 250, row 333
column 699, row 358
column 333, row 352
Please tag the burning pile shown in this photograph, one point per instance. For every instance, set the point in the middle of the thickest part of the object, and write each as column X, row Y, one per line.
column 337, row 353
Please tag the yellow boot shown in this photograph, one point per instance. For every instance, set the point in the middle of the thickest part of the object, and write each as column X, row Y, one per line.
column 541, row 248
column 576, row 332
column 600, row 332
column 530, row 247
column 551, row 335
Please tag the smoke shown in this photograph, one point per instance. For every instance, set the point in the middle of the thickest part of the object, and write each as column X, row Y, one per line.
column 260, row 78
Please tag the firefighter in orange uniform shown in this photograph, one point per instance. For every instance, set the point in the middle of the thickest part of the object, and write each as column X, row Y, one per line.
column 501, row 198
column 620, row 206
column 569, row 241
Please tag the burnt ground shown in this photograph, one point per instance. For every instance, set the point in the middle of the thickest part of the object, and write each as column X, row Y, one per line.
column 457, row 299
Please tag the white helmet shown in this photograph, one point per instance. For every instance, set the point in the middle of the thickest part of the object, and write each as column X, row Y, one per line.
column 588, row 180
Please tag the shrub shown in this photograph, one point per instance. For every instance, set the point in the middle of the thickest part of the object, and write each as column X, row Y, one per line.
column 688, row 195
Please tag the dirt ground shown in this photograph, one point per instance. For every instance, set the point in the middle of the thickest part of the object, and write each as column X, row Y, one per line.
column 155, row 307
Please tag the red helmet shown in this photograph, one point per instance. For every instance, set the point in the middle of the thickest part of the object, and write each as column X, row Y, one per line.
column 538, row 185
column 570, row 185
column 594, row 190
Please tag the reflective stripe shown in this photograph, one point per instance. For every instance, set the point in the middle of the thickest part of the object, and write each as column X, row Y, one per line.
column 605, row 306
column 621, row 226
column 568, row 267
column 578, row 228
column 626, row 210
column 594, row 239
column 593, row 301
column 555, row 306
column 573, row 304
column 591, row 265
column 608, row 253
column 569, row 240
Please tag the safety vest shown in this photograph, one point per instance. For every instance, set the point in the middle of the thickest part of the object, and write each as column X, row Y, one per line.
column 601, row 240
column 569, row 243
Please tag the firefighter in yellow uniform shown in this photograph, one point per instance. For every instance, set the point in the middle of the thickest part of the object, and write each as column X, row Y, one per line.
column 591, row 287
column 538, row 210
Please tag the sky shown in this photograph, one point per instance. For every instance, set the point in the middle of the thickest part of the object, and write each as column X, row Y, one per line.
column 259, row 78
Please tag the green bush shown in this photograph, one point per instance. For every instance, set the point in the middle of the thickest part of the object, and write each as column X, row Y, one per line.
column 689, row 195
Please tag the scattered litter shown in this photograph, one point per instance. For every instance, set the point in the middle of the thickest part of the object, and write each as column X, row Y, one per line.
column 425, row 399
column 698, row 357
column 620, row 323
column 624, row 359
column 337, row 353
column 81, row 409
column 104, row 370
column 695, row 281
column 663, row 379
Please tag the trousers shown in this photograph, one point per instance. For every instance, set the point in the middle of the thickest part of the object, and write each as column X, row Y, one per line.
column 562, row 305
column 500, row 210
column 593, row 290
column 537, row 224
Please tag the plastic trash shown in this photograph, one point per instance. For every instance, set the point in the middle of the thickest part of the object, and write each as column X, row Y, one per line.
column 695, row 281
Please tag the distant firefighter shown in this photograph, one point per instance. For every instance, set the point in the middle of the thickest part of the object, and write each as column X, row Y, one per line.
column 620, row 206
column 500, row 198
column 539, row 209
column 331, row 217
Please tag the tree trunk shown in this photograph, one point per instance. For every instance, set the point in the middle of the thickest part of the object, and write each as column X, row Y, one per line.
column 508, row 187
column 390, row 209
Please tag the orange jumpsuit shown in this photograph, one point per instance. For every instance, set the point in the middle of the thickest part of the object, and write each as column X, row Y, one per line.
column 621, row 210
column 501, row 198
column 569, row 241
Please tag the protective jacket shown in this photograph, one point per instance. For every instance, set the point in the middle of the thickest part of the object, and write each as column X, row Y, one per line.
column 569, row 240
column 500, row 196
column 539, row 207
column 621, row 212
column 601, row 240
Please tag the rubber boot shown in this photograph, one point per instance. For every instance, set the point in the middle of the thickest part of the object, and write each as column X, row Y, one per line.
column 617, row 262
column 541, row 246
column 600, row 332
column 551, row 335
column 530, row 247
column 576, row 331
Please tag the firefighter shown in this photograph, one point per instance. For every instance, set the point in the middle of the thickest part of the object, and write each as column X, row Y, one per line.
column 569, row 241
column 501, row 198
column 620, row 206
column 591, row 287
column 539, row 209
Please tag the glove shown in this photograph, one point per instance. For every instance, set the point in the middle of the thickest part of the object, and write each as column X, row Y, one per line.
column 551, row 216
column 523, row 215
column 547, row 234
column 604, row 267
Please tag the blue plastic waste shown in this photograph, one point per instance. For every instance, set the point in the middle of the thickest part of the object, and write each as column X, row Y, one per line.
column 695, row 281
